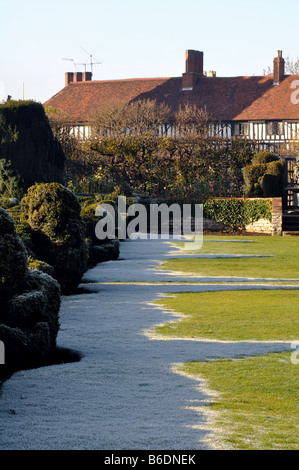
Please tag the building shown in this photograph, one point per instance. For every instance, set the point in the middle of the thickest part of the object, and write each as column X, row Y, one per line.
column 261, row 108
column 264, row 109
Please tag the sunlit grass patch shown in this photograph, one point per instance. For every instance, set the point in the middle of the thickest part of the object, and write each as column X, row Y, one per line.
column 257, row 405
column 279, row 258
column 245, row 315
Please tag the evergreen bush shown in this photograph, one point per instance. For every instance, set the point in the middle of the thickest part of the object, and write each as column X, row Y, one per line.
column 30, row 303
column 264, row 157
column 237, row 213
column 29, row 153
column 13, row 257
column 264, row 176
column 58, row 231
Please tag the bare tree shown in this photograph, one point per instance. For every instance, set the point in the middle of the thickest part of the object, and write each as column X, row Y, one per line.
column 118, row 118
column 291, row 67
column 191, row 120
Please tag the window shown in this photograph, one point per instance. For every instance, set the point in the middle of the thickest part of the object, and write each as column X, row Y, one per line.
column 241, row 128
column 275, row 128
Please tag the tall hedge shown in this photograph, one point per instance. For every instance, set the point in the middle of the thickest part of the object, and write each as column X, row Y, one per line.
column 29, row 153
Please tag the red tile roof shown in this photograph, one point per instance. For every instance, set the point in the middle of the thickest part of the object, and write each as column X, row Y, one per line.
column 225, row 98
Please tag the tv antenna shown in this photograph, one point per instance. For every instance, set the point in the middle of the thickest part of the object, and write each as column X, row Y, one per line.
column 75, row 64
column 91, row 59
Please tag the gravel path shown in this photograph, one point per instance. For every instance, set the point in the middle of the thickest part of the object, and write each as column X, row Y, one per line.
column 123, row 393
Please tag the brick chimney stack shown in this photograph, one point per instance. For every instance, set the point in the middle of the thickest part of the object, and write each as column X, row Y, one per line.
column 278, row 68
column 71, row 77
column 194, row 69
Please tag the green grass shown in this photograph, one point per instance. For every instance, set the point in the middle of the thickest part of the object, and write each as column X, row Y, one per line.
column 257, row 408
column 281, row 261
column 250, row 315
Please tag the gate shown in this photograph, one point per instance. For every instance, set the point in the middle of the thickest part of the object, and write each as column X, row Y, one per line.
column 290, row 198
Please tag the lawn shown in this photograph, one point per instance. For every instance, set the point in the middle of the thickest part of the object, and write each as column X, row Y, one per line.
column 260, row 315
column 278, row 258
column 257, row 408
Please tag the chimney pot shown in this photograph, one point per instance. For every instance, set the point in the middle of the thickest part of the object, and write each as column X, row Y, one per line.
column 78, row 77
column 69, row 77
column 87, row 76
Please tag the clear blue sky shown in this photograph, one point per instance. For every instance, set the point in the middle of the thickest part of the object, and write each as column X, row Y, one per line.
column 137, row 38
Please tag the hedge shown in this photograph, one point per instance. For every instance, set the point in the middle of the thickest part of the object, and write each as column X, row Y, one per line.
column 29, row 152
column 237, row 213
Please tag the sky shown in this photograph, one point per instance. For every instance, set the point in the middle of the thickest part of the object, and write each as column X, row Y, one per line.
column 42, row 39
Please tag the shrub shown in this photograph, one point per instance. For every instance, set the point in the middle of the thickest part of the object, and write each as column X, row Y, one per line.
column 8, row 202
column 58, row 231
column 237, row 213
column 29, row 152
column 13, row 257
column 264, row 157
column 264, row 176
column 30, row 302
column 252, row 174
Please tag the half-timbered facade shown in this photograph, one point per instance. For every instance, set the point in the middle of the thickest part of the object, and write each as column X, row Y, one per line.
column 261, row 108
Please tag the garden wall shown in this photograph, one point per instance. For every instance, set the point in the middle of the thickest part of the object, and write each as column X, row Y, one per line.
column 254, row 215
column 263, row 225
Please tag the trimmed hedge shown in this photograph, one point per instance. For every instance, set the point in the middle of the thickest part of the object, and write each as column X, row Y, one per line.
column 237, row 213
column 29, row 153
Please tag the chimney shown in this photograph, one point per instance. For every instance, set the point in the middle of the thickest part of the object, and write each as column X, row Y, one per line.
column 212, row 73
column 69, row 77
column 87, row 76
column 194, row 69
column 278, row 68
column 78, row 77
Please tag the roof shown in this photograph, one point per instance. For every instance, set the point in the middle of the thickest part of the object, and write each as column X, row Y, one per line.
column 224, row 98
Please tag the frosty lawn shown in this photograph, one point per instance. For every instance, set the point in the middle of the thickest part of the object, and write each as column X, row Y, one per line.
column 123, row 394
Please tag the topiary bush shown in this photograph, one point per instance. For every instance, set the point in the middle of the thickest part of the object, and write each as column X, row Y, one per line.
column 252, row 177
column 29, row 153
column 58, row 231
column 264, row 158
column 264, row 176
column 30, row 303
column 13, row 257
column 272, row 181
